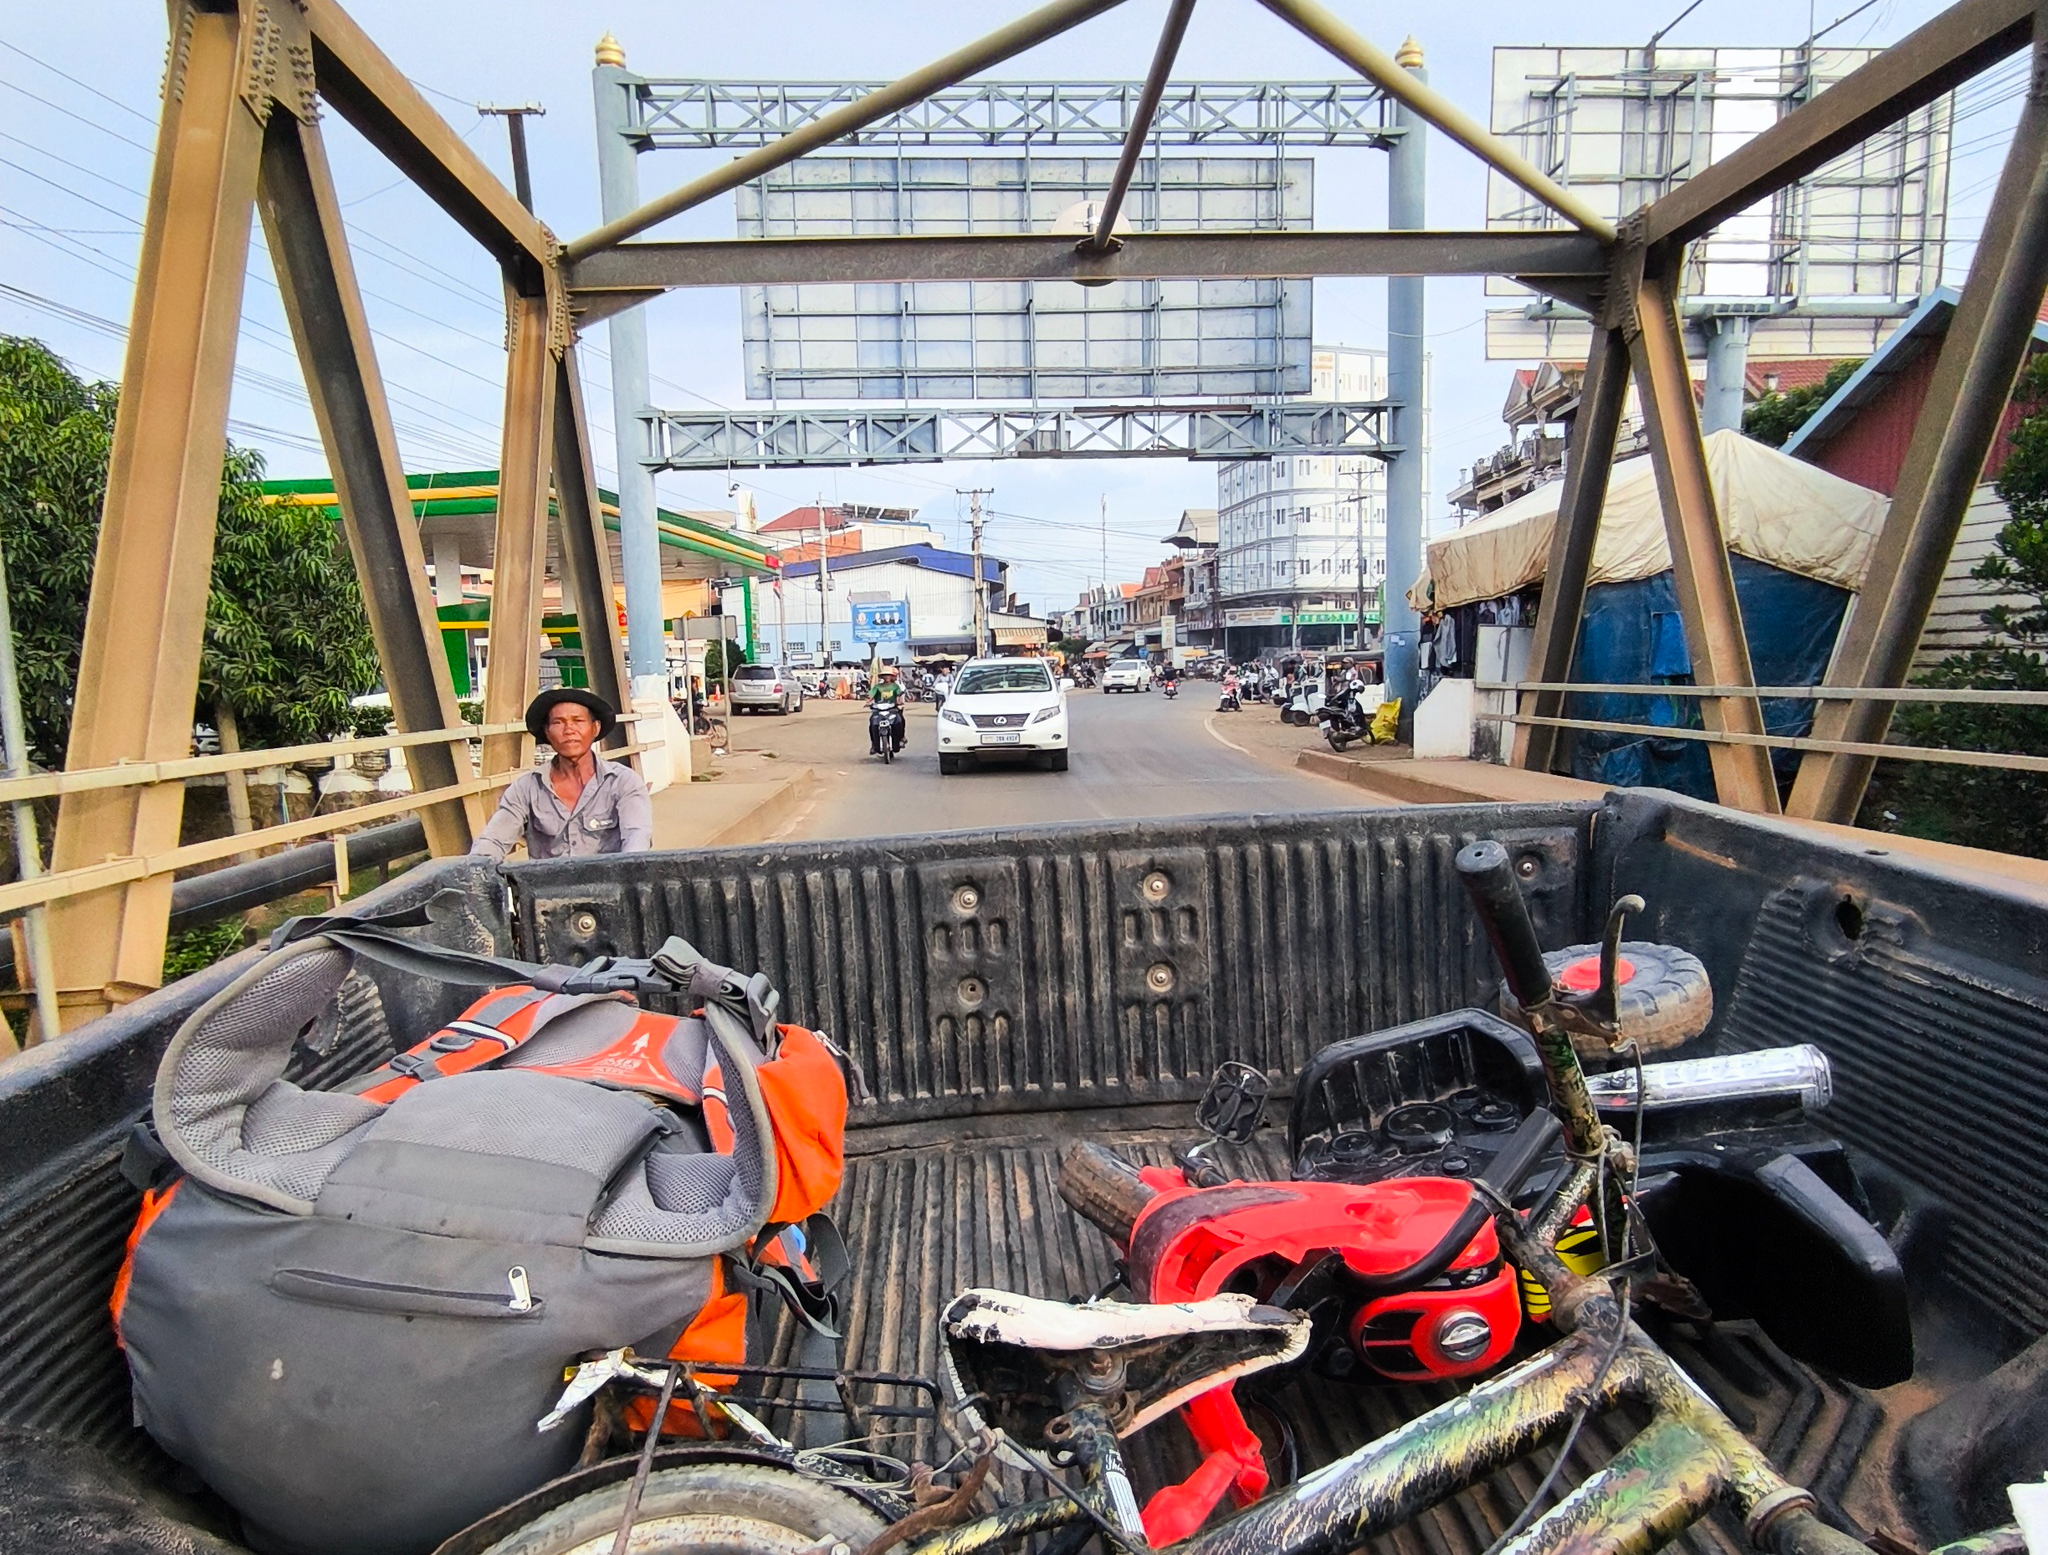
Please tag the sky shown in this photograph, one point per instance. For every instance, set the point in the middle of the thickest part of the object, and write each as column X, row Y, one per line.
column 78, row 97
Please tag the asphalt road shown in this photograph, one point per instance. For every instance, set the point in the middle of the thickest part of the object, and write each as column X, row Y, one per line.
column 1133, row 755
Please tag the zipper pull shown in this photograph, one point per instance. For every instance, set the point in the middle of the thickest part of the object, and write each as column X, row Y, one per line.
column 522, row 1294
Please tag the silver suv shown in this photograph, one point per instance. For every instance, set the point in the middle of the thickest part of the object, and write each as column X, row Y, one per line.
column 765, row 688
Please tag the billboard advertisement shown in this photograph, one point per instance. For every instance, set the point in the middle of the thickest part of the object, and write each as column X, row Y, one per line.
column 881, row 621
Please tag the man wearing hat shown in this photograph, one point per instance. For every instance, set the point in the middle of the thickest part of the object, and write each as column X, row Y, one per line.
column 579, row 803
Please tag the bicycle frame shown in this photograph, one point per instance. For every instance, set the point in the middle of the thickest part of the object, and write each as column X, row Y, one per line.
column 1686, row 1461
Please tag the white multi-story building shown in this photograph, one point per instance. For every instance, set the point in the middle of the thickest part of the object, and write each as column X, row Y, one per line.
column 1293, row 531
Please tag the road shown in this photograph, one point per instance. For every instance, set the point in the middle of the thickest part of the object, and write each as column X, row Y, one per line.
column 1134, row 756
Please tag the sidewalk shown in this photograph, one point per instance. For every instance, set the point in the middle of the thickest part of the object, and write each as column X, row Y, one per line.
column 1387, row 771
column 768, row 774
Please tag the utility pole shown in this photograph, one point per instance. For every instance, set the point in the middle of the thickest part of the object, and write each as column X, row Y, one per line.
column 824, row 586
column 974, row 497
column 515, row 125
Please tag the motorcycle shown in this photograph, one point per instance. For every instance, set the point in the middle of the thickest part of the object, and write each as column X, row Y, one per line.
column 885, row 730
column 1343, row 719
column 1171, row 688
column 1229, row 701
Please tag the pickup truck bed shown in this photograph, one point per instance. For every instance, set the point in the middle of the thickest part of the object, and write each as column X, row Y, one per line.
column 1005, row 993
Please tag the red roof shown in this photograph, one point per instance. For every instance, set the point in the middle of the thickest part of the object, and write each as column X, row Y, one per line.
column 1761, row 378
column 801, row 519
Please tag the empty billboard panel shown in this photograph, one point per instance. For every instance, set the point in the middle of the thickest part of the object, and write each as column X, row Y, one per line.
column 1835, row 257
column 931, row 340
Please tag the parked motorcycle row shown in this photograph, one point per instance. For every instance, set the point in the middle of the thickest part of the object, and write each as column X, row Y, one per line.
column 1347, row 707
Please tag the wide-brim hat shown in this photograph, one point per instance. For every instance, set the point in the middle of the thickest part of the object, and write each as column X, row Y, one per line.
column 538, row 709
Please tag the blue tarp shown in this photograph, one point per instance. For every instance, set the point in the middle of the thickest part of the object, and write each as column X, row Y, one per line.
column 1632, row 634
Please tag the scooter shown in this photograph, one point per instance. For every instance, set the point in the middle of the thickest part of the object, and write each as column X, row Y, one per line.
column 1171, row 688
column 885, row 728
column 1343, row 720
column 1303, row 708
column 1229, row 701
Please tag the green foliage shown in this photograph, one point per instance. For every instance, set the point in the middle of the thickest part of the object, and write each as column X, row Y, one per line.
column 1072, row 647
column 55, row 435
column 472, row 710
column 194, row 950
column 368, row 723
column 287, row 644
column 715, row 667
column 1988, row 807
column 1775, row 417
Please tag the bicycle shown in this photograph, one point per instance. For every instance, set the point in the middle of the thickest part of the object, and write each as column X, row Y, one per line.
column 1052, row 1388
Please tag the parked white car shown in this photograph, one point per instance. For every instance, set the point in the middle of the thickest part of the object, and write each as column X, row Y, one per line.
column 1127, row 675
column 1004, row 708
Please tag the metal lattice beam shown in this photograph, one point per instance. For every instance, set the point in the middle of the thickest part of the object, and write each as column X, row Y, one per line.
column 707, row 115
column 714, row 440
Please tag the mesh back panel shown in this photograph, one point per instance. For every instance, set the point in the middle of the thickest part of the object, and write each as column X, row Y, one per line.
column 688, row 1184
column 230, row 1107
column 285, row 1120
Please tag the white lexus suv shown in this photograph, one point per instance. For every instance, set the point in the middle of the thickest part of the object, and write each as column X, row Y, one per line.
column 1004, row 707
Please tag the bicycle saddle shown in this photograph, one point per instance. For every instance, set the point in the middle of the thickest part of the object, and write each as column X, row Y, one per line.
column 1019, row 1363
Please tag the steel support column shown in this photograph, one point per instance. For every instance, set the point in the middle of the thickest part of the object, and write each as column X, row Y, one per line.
column 586, row 558
column 309, row 250
column 639, row 535
column 1407, row 201
column 1699, row 552
column 1727, row 365
column 139, row 669
column 1980, row 358
column 521, row 547
column 1589, row 461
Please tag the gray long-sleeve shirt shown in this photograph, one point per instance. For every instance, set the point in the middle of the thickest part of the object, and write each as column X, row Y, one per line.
column 613, row 814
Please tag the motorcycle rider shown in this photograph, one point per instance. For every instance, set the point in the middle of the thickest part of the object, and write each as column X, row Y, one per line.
column 887, row 693
column 1227, row 701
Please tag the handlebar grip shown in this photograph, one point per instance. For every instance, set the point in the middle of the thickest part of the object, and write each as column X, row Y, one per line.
column 1489, row 878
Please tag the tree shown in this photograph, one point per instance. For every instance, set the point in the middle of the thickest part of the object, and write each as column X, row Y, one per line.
column 1774, row 418
column 1988, row 807
column 55, row 435
column 716, row 668
column 287, row 644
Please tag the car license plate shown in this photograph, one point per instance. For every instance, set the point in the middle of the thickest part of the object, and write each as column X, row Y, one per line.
column 1002, row 739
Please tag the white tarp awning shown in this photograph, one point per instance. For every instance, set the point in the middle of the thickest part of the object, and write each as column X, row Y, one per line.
column 1773, row 508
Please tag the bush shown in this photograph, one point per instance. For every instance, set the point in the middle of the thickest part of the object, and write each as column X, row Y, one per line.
column 1775, row 417
column 472, row 709
column 194, row 950
column 370, row 723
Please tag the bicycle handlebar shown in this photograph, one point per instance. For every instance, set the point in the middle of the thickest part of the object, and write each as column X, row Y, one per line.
column 1489, row 877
